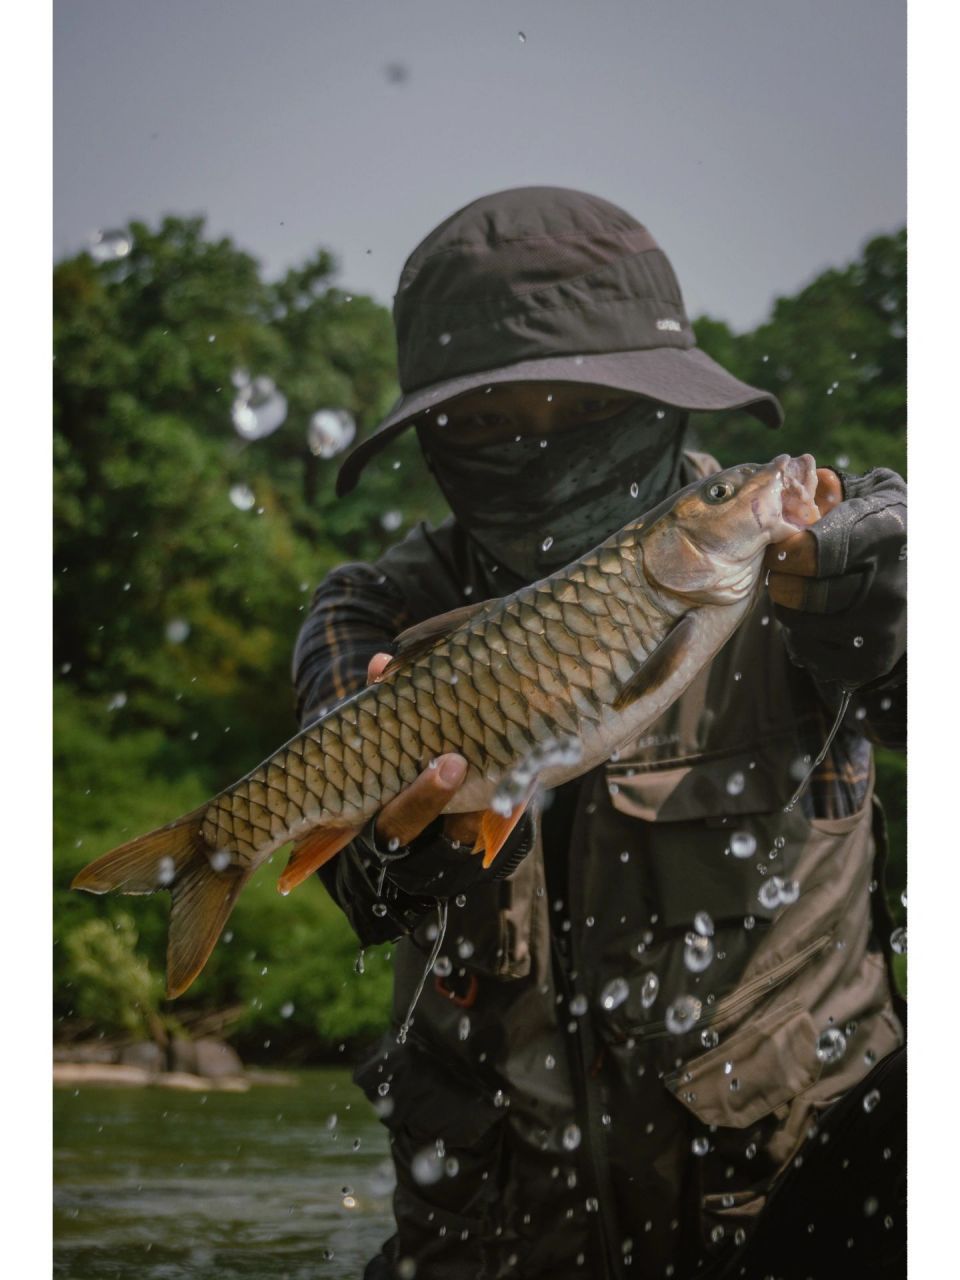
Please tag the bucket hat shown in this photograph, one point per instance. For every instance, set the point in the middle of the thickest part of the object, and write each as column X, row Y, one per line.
column 546, row 284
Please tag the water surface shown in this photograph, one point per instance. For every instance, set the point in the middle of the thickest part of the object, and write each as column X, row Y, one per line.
column 277, row 1183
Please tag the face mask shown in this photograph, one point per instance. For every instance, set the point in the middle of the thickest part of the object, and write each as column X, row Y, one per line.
column 534, row 507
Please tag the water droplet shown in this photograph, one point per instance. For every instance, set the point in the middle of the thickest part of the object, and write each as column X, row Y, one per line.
column 177, row 630
column 578, row 1005
column 166, row 870
column 443, row 966
column 789, row 891
column 649, row 990
column 464, row 948
column 444, row 339
column 709, row 1038
column 116, row 701
column 379, row 909
column 858, row 642
column 831, row 1045
column 391, row 521
column 330, row 431
column 781, row 555
column 738, row 676
column 743, row 844
column 634, row 490
column 735, row 783
column 427, row 1166
column 258, row 409
column 898, row 940
column 735, row 1085
column 463, row 1028
column 683, row 1014
column 614, row 994
column 220, row 859
column 697, row 952
column 547, row 543
column 406, row 1269
column 700, row 1146
column 521, row 37
column 110, row 246
column 703, row 924
column 359, row 965
column 750, row 1150
column 242, row 496
column 549, row 1062
column 571, row 1137
column 661, row 414
column 383, row 1089
column 769, row 894
column 871, row 1100
column 903, row 898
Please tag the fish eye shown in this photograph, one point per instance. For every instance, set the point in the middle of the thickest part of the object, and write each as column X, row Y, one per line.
column 719, row 491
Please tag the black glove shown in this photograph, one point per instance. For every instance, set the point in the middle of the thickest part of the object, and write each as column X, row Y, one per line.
column 851, row 628
column 434, row 865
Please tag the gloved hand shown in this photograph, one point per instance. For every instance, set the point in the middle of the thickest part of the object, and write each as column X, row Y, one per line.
column 839, row 587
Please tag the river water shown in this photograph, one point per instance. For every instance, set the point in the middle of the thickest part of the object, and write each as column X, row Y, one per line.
column 280, row 1183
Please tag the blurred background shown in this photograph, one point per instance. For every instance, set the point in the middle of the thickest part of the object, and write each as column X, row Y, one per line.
column 236, row 188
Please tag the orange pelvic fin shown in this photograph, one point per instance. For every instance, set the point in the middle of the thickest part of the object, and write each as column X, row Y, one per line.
column 310, row 853
column 495, row 831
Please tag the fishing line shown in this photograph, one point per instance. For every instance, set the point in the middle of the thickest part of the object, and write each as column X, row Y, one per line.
column 441, row 932
column 846, row 695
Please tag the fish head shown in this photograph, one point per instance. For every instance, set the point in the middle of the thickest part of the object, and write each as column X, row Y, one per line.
column 708, row 541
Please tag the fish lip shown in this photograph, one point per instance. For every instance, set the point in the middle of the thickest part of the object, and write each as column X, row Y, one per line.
column 798, row 487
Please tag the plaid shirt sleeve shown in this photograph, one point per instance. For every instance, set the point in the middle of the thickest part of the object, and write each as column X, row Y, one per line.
column 355, row 612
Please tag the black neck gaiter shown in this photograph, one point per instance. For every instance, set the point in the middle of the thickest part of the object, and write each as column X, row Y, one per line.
column 534, row 505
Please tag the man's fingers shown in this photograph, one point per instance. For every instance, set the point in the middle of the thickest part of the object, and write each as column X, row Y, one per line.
column 787, row 589
column 464, row 827
column 829, row 490
column 419, row 804
column 797, row 554
column 375, row 666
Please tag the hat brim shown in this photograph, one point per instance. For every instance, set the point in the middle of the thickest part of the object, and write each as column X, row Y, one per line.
column 685, row 379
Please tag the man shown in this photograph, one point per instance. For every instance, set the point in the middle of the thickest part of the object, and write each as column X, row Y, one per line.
column 631, row 1029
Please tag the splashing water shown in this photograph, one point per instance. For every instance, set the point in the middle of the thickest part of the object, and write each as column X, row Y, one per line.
column 841, row 712
column 259, row 409
column 428, row 969
column 330, row 432
column 242, row 496
column 515, row 785
column 110, row 246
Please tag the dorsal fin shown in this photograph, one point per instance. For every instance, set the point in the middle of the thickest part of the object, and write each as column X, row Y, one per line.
column 419, row 638
column 662, row 663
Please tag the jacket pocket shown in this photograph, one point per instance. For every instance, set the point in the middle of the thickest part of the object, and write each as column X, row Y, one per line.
column 754, row 1072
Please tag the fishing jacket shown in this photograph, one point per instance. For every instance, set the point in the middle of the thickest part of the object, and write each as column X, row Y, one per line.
column 579, row 1094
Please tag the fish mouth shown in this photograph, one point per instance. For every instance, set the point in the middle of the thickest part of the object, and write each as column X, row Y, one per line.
column 798, row 481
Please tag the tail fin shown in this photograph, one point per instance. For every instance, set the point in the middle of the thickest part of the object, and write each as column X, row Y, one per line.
column 175, row 858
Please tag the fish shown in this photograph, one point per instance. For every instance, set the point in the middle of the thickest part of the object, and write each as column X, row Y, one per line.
column 588, row 657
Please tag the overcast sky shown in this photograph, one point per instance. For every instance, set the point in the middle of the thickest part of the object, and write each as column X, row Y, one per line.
column 759, row 140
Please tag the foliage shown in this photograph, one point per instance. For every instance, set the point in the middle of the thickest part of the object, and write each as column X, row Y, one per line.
column 150, row 721
column 115, row 985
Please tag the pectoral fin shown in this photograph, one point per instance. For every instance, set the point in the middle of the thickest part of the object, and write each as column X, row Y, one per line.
column 662, row 663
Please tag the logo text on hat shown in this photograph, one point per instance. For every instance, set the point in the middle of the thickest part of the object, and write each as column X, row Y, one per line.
column 673, row 325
